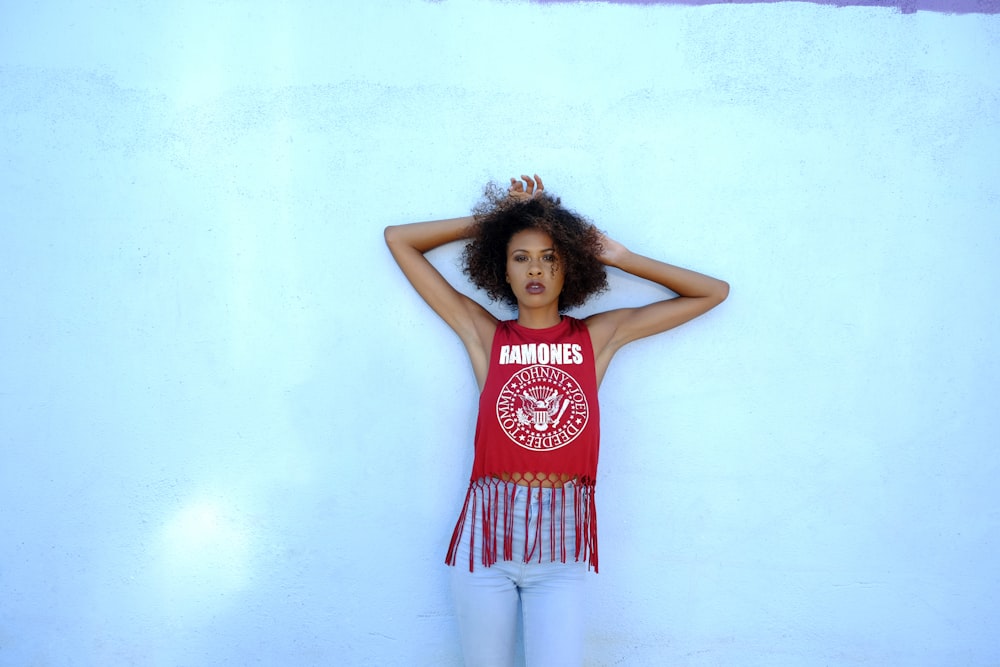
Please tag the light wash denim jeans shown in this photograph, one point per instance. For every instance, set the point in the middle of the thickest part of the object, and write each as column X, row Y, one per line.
column 549, row 595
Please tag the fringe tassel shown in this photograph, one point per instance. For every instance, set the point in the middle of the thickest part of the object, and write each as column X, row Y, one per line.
column 562, row 523
column 508, row 525
column 452, row 556
column 489, row 502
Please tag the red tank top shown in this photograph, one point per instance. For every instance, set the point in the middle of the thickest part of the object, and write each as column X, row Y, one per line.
column 538, row 426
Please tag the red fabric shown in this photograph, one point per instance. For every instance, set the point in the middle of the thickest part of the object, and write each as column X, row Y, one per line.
column 539, row 426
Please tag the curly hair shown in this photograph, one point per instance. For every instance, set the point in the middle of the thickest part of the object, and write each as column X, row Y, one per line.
column 577, row 243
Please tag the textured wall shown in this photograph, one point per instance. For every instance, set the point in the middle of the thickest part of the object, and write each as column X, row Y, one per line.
column 231, row 435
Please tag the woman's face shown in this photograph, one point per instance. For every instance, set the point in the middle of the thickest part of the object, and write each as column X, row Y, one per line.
column 533, row 268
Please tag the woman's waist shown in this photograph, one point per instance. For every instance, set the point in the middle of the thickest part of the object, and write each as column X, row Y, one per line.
column 545, row 480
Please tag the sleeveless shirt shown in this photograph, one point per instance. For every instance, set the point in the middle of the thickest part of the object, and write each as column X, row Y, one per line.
column 538, row 426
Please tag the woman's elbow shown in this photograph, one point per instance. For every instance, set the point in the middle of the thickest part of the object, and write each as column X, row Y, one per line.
column 389, row 234
column 721, row 291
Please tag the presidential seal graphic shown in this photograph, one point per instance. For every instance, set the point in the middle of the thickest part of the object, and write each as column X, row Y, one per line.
column 542, row 408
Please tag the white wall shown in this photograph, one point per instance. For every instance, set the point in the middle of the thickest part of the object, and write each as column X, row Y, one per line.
column 231, row 435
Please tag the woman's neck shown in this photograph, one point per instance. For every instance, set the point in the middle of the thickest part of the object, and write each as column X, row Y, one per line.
column 542, row 318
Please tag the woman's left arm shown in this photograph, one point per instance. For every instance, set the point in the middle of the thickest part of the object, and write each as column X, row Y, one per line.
column 696, row 294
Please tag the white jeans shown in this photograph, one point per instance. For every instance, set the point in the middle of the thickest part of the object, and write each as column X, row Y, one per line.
column 551, row 596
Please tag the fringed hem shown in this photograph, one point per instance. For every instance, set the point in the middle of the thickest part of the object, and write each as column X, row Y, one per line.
column 489, row 504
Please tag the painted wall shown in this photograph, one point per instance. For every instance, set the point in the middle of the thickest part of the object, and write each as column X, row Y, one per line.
column 232, row 435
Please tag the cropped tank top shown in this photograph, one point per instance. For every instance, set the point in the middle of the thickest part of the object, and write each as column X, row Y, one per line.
column 538, row 427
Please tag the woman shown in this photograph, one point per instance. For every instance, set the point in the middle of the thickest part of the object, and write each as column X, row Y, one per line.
column 528, row 530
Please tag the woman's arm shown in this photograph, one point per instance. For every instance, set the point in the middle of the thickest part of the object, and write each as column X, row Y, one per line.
column 473, row 323
column 696, row 294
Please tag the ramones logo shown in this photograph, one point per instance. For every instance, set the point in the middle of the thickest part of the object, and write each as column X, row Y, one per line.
column 542, row 408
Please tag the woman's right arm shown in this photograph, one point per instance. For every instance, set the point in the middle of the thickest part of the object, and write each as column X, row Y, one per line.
column 473, row 323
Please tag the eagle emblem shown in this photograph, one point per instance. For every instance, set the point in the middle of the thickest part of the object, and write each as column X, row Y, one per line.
column 541, row 408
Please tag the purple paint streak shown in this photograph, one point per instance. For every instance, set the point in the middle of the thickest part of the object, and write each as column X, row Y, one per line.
column 904, row 6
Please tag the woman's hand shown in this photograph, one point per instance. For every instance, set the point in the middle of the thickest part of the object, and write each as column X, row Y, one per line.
column 612, row 252
column 519, row 191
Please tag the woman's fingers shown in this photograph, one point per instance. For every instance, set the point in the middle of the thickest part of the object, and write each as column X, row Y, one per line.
column 526, row 187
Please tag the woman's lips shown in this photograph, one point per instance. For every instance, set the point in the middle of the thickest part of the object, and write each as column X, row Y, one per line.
column 534, row 288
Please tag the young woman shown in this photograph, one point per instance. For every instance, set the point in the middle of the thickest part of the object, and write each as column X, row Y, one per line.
column 527, row 532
